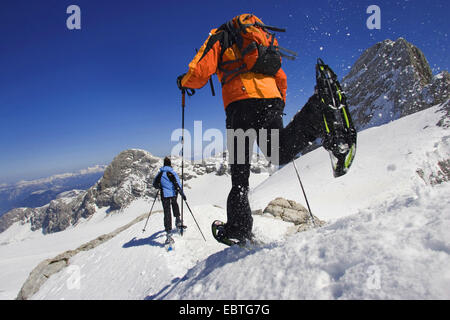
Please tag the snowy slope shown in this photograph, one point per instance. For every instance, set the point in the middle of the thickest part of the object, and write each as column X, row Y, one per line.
column 387, row 236
column 385, row 168
column 134, row 265
column 22, row 249
column 398, row 250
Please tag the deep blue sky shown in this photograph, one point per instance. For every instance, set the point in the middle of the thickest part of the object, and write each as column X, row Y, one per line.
column 70, row 99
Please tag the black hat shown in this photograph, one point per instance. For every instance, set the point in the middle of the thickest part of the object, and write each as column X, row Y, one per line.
column 167, row 162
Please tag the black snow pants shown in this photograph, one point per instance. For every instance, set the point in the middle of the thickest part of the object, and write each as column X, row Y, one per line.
column 167, row 203
column 305, row 127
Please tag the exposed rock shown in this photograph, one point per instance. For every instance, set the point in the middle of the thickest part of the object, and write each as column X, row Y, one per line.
column 22, row 215
column 290, row 211
column 41, row 273
column 445, row 120
column 58, row 216
column 436, row 169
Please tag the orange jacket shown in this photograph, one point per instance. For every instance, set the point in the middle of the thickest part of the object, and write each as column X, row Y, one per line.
column 244, row 86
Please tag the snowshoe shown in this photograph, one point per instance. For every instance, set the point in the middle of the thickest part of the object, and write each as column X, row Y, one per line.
column 169, row 244
column 340, row 134
column 218, row 231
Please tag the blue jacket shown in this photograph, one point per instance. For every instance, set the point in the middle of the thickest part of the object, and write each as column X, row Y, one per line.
column 168, row 188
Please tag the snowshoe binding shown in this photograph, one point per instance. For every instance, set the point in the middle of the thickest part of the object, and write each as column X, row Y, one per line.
column 340, row 134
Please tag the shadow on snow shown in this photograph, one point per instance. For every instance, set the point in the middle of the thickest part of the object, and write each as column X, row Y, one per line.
column 146, row 241
column 203, row 269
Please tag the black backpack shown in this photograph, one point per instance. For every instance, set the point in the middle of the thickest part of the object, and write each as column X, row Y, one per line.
column 258, row 50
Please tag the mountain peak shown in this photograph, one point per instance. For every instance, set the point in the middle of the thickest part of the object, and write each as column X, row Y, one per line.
column 390, row 80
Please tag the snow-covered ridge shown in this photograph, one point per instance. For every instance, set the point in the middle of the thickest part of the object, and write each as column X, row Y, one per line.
column 89, row 170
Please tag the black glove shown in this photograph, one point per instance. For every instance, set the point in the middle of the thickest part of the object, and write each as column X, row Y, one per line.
column 190, row 92
column 184, row 197
column 179, row 81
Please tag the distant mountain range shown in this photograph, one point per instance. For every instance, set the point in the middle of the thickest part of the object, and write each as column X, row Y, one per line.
column 128, row 177
column 36, row 193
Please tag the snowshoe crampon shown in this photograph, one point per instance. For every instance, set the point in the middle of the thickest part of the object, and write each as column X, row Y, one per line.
column 340, row 134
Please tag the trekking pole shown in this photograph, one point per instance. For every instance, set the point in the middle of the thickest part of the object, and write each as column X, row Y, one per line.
column 190, row 93
column 151, row 209
column 304, row 194
column 183, row 104
column 194, row 220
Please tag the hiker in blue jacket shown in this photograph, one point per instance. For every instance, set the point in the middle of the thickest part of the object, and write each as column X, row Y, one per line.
column 168, row 182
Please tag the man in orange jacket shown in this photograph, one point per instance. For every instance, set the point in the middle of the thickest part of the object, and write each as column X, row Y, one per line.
column 252, row 100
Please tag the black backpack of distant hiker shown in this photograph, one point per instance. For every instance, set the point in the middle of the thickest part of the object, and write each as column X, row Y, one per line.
column 157, row 181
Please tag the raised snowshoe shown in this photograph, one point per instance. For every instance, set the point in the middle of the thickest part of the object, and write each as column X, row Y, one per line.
column 218, row 232
column 340, row 134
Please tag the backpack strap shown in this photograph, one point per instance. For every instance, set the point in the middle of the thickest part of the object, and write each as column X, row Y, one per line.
column 271, row 28
column 174, row 182
column 293, row 55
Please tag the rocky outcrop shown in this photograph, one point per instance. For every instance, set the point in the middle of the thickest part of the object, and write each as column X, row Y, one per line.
column 290, row 211
column 436, row 169
column 18, row 215
column 445, row 120
column 128, row 177
column 390, row 80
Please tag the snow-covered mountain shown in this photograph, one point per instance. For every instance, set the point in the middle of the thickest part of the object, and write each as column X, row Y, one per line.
column 127, row 178
column 386, row 235
column 390, row 80
column 36, row 193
